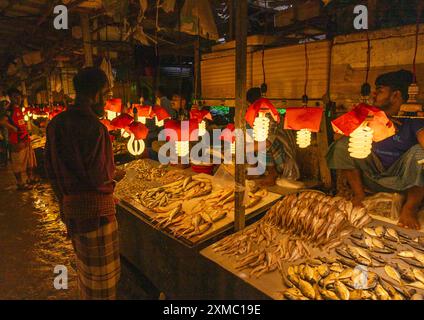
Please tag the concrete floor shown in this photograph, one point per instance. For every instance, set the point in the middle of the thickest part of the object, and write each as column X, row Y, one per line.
column 33, row 241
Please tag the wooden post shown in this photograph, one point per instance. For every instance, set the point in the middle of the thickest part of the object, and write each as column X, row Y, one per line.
column 197, row 73
column 86, row 37
column 241, row 19
column 24, row 93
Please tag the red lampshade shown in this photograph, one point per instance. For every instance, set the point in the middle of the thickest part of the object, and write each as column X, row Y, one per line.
column 122, row 121
column 382, row 126
column 200, row 115
column 228, row 133
column 183, row 129
column 108, row 124
column 139, row 130
column 261, row 105
column 161, row 113
column 143, row 111
column 299, row 118
column 114, row 105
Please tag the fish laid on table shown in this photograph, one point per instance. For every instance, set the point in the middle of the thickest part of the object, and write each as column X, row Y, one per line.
column 348, row 284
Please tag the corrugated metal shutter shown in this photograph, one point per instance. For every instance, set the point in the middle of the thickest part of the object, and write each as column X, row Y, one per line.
column 284, row 69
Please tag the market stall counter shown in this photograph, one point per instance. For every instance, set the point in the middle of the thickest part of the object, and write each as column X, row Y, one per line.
column 164, row 225
column 311, row 246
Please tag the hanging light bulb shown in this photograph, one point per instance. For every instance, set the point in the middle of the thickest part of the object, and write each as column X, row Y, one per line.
column 182, row 148
column 202, row 128
column 233, row 147
column 26, row 118
column 124, row 134
column 360, row 142
column 261, row 127
column 34, row 116
column 135, row 147
column 159, row 123
column 304, row 138
column 110, row 115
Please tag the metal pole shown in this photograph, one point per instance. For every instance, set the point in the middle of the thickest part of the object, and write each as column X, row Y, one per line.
column 86, row 38
column 241, row 106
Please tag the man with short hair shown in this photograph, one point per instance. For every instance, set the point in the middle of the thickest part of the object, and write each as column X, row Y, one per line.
column 393, row 165
column 80, row 165
column 22, row 155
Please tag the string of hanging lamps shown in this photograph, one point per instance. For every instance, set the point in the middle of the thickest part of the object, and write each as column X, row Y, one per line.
column 361, row 139
column 304, row 136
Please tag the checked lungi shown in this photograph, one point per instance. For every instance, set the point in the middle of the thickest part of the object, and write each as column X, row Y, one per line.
column 98, row 264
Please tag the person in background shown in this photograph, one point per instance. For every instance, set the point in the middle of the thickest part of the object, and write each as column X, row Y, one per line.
column 279, row 160
column 22, row 155
column 394, row 164
column 3, row 138
column 80, row 166
column 162, row 99
column 179, row 107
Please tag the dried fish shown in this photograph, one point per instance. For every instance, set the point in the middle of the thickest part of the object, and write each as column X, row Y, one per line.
column 393, row 273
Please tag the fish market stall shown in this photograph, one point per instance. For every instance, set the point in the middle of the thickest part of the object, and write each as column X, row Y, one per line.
column 344, row 256
column 168, row 215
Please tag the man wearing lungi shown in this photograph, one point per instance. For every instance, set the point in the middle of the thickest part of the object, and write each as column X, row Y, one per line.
column 80, row 165
column 394, row 165
column 22, row 155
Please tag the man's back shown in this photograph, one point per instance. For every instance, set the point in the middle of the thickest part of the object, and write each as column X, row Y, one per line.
column 79, row 155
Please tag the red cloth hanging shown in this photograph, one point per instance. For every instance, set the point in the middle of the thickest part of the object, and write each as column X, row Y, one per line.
column 200, row 115
column 298, row 118
column 139, row 130
column 108, row 124
column 114, row 105
column 181, row 130
column 261, row 105
column 122, row 121
column 377, row 120
column 143, row 111
column 161, row 113
column 228, row 133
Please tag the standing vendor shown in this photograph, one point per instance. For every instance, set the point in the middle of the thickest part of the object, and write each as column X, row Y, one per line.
column 279, row 160
column 22, row 154
column 393, row 165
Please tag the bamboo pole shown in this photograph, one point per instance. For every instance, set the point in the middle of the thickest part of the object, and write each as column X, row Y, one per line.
column 241, row 19
column 86, row 38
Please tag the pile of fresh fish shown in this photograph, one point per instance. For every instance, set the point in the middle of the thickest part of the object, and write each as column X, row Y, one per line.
column 388, row 241
column 166, row 196
column 144, row 174
column 406, row 277
column 204, row 214
column 327, row 279
column 316, row 218
column 288, row 231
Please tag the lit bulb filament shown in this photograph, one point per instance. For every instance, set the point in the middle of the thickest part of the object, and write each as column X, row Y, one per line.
column 304, row 138
column 182, row 148
column 159, row 123
column 360, row 142
column 202, row 128
column 135, row 147
column 261, row 127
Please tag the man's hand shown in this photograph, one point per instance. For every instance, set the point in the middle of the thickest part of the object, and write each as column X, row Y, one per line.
column 119, row 175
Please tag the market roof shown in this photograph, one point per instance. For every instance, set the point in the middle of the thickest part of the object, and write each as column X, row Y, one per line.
column 26, row 27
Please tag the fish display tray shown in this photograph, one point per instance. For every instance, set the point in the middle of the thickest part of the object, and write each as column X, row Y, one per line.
column 219, row 227
column 271, row 284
